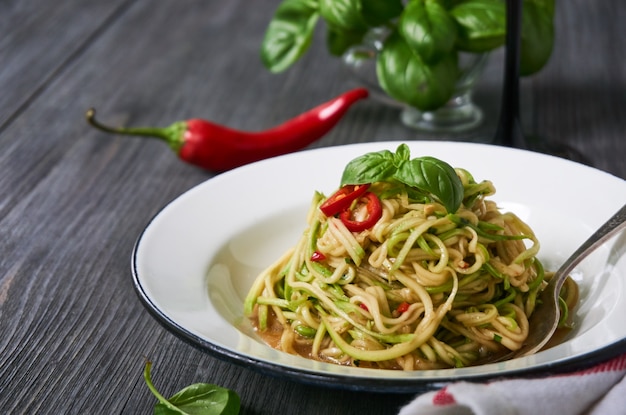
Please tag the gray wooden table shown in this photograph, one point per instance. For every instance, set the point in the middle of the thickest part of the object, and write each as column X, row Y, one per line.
column 73, row 335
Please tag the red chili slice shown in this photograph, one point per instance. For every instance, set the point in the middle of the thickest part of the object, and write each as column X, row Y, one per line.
column 373, row 212
column 403, row 307
column 317, row 256
column 343, row 198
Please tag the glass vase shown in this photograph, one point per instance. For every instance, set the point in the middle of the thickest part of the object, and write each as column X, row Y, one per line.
column 459, row 114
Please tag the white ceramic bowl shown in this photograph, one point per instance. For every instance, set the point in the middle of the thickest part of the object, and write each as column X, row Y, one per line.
column 195, row 261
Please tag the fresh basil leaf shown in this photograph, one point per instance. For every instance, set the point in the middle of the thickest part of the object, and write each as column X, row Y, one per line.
column 407, row 78
column 196, row 399
column 537, row 36
column 435, row 177
column 289, row 34
column 343, row 14
column 424, row 175
column 338, row 40
column 379, row 12
column 482, row 24
column 202, row 399
column 547, row 5
column 428, row 28
column 402, row 154
column 370, row 168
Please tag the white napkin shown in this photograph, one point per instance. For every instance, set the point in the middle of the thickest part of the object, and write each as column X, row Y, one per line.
column 599, row 390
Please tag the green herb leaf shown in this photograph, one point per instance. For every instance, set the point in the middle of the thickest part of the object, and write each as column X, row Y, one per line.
column 196, row 399
column 379, row 12
column 417, row 65
column 435, row 177
column 408, row 78
column 339, row 40
column 202, row 399
column 370, row 168
column 428, row 28
column 343, row 14
column 537, row 35
column 430, row 175
column 289, row 34
column 547, row 5
column 482, row 24
column 402, row 154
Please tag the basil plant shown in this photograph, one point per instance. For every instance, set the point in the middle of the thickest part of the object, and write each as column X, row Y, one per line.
column 424, row 41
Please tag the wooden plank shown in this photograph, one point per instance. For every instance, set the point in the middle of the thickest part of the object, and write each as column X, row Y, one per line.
column 579, row 98
column 37, row 39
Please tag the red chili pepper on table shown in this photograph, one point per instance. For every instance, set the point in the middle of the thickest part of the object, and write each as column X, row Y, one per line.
column 219, row 148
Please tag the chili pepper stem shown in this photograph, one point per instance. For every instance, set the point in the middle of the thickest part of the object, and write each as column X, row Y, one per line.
column 172, row 135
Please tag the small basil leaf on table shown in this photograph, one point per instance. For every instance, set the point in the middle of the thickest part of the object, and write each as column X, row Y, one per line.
column 201, row 399
column 408, row 78
column 289, row 34
column 196, row 399
column 482, row 24
column 429, row 29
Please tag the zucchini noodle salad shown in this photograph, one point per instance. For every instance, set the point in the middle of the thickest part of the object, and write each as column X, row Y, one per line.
column 407, row 266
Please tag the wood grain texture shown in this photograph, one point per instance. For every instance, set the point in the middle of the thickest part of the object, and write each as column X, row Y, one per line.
column 36, row 42
column 580, row 98
column 73, row 200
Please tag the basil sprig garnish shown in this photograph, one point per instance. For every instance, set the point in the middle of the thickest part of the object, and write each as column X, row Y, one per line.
column 430, row 175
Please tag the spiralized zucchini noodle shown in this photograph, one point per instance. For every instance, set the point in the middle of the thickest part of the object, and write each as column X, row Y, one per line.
column 421, row 289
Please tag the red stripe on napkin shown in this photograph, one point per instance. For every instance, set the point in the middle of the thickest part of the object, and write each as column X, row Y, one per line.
column 442, row 397
column 616, row 364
